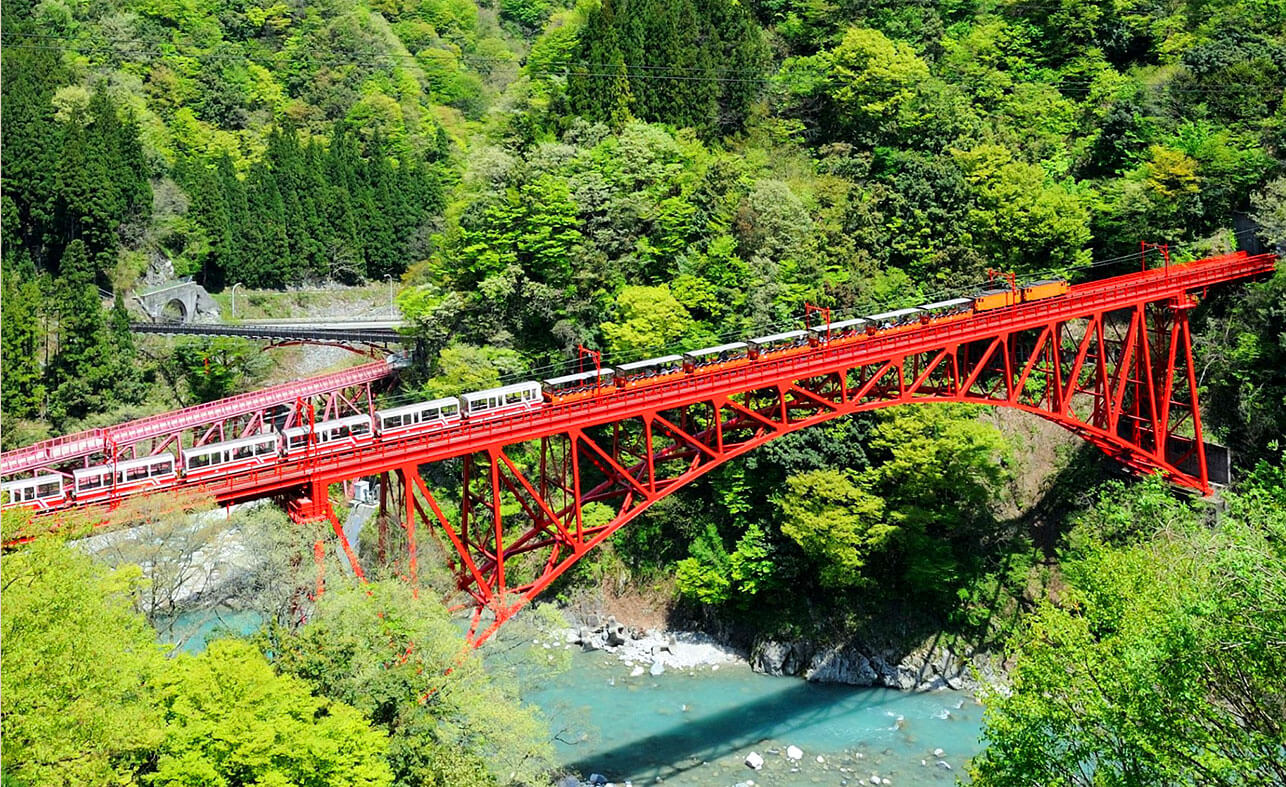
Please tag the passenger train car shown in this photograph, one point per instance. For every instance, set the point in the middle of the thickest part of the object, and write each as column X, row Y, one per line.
column 204, row 462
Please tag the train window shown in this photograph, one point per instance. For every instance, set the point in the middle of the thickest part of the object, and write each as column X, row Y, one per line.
column 160, row 468
column 49, row 489
column 266, row 447
column 136, row 473
column 199, row 460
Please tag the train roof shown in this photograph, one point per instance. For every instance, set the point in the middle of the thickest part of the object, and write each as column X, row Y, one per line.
column 947, row 304
column 240, row 441
column 592, row 374
column 855, row 322
column 35, row 479
column 778, row 337
column 128, row 464
column 992, row 292
column 897, row 313
column 504, row 390
column 719, row 348
column 411, row 408
column 1043, row 281
column 349, row 419
column 631, row 366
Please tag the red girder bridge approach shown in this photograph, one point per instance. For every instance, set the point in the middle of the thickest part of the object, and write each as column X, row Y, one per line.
column 1110, row 360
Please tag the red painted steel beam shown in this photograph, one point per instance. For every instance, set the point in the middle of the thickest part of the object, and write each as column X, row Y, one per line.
column 165, row 425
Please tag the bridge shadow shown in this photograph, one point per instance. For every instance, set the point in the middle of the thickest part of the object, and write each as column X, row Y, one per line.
column 706, row 737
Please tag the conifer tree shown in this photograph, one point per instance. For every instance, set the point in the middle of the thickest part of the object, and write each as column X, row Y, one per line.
column 210, row 211
column 20, row 345
column 83, row 373
column 266, row 260
column 381, row 240
column 234, row 196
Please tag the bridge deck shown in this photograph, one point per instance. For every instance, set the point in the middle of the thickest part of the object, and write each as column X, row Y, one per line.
column 468, row 437
column 474, row 436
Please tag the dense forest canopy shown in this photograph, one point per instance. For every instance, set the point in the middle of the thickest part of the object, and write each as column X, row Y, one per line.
column 636, row 176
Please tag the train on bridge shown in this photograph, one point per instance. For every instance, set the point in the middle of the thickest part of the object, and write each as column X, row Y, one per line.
column 108, row 481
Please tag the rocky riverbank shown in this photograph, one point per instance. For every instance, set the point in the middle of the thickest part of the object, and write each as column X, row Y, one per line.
column 928, row 666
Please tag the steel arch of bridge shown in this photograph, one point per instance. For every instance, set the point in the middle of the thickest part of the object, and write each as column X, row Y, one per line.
column 1121, row 379
column 510, row 500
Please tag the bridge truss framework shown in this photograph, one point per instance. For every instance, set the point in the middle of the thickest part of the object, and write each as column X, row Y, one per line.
column 513, row 502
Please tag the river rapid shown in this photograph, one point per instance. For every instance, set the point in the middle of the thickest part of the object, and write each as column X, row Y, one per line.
column 697, row 726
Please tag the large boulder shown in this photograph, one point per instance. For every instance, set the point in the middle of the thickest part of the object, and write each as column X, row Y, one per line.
column 772, row 657
column 841, row 665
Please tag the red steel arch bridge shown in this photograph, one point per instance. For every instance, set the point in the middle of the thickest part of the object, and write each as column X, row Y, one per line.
column 1110, row 360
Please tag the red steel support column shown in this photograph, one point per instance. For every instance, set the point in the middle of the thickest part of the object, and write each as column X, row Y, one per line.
column 1192, row 397
column 412, row 562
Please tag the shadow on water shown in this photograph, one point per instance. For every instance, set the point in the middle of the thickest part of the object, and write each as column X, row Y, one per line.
column 705, row 737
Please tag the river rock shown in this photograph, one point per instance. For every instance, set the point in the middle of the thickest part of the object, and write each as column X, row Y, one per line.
column 780, row 658
column 841, row 665
column 794, row 753
column 637, row 671
column 597, row 779
column 753, row 760
column 615, row 632
column 567, row 781
column 944, row 765
column 657, row 668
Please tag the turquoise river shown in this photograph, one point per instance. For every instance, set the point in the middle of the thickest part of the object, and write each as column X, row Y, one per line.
column 697, row 727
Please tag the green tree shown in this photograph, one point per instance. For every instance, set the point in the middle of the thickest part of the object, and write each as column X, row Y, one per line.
column 89, row 372
column 402, row 661
column 1159, row 662
column 649, row 320
column 836, row 522
column 22, row 346
column 872, row 78
column 74, row 670
column 231, row 720
column 218, row 367
column 1021, row 220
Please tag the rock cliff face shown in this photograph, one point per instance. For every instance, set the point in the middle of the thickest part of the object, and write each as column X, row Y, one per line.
column 924, row 668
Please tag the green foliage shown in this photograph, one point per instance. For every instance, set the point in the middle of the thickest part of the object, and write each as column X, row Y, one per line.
column 630, row 50
column 218, row 367
column 94, row 366
column 1021, row 217
column 464, row 367
column 1245, row 352
column 1159, row 664
column 837, row 523
column 76, row 663
column 21, row 346
column 872, row 78
column 403, row 662
column 649, row 319
column 231, row 720
column 706, row 574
